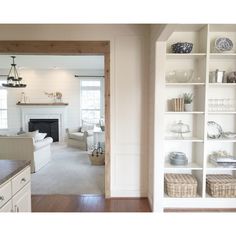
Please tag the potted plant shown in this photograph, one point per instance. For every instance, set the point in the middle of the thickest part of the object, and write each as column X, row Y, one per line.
column 188, row 101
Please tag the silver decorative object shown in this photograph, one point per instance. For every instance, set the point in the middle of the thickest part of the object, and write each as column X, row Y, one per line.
column 214, row 130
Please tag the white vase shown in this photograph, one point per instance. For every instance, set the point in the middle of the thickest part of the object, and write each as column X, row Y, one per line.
column 188, row 107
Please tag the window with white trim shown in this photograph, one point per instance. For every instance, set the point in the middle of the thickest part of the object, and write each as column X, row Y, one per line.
column 3, row 107
column 91, row 100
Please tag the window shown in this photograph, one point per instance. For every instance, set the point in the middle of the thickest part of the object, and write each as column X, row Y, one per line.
column 3, row 108
column 91, row 100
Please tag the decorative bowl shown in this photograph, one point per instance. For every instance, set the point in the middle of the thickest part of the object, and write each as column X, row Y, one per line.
column 223, row 44
column 182, row 47
column 179, row 76
column 229, row 135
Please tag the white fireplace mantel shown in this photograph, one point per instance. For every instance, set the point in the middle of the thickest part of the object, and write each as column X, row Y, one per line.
column 45, row 112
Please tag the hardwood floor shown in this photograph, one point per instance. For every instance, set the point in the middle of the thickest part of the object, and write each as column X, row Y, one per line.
column 87, row 203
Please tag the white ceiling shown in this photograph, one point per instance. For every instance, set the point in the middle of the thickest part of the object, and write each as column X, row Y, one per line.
column 53, row 62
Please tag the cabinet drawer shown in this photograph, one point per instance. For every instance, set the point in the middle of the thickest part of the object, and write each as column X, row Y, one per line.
column 20, row 180
column 21, row 202
column 7, row 207
column 5, row 193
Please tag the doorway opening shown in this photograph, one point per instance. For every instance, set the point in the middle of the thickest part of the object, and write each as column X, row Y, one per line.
column 84, row 49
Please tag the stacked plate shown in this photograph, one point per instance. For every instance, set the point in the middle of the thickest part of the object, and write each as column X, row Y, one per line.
column 178, row 158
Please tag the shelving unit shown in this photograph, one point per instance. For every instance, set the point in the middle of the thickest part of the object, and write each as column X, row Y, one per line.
column 196, row 145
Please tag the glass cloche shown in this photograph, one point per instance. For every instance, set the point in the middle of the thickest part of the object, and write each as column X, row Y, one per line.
column 180, row 128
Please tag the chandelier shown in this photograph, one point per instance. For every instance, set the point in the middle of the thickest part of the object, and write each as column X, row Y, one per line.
column 13, row 79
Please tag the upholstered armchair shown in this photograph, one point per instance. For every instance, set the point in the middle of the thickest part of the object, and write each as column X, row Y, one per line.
column 81, row 140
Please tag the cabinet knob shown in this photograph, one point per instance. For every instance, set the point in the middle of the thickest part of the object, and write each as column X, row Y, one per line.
column 1, row 198
column 23, row 180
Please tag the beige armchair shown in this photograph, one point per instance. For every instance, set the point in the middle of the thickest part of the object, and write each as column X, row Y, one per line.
column 81, row 140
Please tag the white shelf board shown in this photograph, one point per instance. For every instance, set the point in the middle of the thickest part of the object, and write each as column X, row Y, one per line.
column 186, row 84
column 222, row 56
column 184, row 198
column 183, row 112
column 221, row 84
column 211, row 166
column 190, row 166
column 186, row 139
column 222, row 112
column 185, row 55
column 221, row 198
column 222, row 140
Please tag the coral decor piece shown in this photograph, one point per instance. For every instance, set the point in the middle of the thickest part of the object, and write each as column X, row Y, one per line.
column 57, row 96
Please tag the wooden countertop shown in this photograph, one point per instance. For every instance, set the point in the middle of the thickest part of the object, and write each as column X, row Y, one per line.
column 9, row 168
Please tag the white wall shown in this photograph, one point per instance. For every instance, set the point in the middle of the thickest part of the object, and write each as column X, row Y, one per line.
column 129, row 93
column 41, row 81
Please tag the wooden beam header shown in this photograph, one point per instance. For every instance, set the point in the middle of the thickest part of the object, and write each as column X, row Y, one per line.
column 55, row 47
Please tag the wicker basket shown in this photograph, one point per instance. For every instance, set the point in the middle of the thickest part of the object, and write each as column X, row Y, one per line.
column 180, row 185
column 221, row 185
column 97, row 157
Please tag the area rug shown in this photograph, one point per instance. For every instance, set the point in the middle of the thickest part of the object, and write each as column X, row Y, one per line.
column 69, row 172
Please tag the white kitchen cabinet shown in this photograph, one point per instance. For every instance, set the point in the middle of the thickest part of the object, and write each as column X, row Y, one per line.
column 21, row 202
column 7, row 207
column 15, row 193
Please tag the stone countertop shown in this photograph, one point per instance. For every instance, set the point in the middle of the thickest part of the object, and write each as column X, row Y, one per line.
column 9, row 168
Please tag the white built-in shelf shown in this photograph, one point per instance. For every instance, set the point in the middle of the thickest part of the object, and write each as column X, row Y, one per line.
column 202, row 61
column 222, row 112
column 186, row 84
column 185, row 55
column 222, row 140
column 183, row 112
column 222, row 84
column 211, row 166
column 190, row 166
column 222, row 55
column 185, row 139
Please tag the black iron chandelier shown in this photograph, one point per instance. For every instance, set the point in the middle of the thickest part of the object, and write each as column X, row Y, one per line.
column 13, row 79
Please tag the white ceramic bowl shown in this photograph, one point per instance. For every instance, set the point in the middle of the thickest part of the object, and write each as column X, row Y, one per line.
column 179, row 76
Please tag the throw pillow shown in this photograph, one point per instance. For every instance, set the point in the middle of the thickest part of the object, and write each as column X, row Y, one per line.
column 40, row 136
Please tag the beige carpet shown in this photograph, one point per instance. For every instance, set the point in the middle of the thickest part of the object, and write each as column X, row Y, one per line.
column 69, row 172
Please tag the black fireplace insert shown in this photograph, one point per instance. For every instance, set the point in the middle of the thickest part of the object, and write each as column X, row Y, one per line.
column 49, row 126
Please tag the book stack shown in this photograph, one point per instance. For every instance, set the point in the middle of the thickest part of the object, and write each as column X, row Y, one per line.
column 178, row 104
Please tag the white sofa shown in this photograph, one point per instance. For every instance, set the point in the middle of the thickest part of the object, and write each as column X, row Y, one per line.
column 24, row 148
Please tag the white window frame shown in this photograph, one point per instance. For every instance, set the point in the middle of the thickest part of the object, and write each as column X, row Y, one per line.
column 101, row 88
column 6, row 109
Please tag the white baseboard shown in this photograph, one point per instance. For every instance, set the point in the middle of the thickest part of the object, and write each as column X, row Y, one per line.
column 127, row 193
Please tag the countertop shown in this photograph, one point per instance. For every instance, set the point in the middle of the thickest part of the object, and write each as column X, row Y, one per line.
column 8, row 168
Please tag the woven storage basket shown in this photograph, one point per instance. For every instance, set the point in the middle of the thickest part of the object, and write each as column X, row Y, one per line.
column 180, row 185
column 221, row 185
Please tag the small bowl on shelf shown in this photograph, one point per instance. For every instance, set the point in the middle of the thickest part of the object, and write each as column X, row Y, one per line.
column 182, row 47
column 180, row 76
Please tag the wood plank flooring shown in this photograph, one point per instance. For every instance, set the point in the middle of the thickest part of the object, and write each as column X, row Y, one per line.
column 87, row 203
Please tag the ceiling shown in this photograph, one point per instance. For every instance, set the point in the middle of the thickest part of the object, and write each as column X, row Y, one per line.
column 53, row 62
